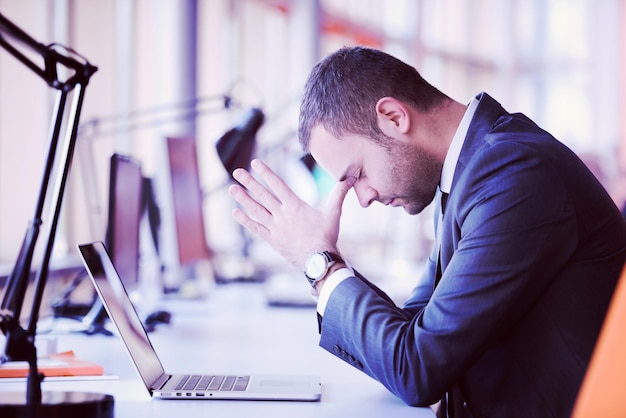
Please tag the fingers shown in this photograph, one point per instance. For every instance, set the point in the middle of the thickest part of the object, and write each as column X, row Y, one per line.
column 272, row 211
column 273, row 181
column 255, row 218
column 263, row 196
column 260, row 204
column 254, row 208
column 255, row 227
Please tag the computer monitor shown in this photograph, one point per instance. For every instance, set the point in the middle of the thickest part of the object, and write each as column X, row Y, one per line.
column 122, row 240
column 124, row 216
column 187, row 200
column 122, row 233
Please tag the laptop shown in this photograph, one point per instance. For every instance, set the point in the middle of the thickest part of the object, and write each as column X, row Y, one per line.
column 180, row 386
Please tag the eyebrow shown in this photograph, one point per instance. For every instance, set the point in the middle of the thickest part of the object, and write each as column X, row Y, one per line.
column 344, row 176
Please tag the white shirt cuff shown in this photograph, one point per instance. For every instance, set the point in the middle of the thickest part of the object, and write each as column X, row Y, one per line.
column 330, row 284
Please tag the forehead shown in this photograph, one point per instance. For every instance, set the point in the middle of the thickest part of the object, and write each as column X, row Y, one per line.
column 336, row 156
column 346, row 156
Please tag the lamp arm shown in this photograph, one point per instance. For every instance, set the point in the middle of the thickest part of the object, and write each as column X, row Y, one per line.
column 153, row 116
column 70, row 145
column 20, row 343
column 11, row 36
column 18, row 280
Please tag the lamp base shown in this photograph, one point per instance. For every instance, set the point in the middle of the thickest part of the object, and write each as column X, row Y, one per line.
column 57, row 404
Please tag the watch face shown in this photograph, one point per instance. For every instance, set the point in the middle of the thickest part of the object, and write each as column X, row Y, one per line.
column 316, row 266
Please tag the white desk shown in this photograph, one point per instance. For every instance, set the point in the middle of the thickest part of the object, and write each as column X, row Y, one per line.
column 233, row 331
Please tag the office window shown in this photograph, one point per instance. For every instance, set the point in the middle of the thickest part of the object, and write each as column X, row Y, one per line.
column 559, row 61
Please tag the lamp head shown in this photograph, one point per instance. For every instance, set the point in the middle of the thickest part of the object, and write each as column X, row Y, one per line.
column 236, row 147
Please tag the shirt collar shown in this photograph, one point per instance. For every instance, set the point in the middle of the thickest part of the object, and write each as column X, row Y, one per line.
column 452, row 157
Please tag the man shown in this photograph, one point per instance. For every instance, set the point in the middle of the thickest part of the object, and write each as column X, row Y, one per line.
column 528, row 251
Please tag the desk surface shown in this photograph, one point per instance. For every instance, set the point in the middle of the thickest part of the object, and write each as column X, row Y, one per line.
column 232, row 331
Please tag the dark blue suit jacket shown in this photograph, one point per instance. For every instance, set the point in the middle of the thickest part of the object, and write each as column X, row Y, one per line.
column 532, row 247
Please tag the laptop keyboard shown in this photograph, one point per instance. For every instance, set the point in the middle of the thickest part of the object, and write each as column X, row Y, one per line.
column 213, row 383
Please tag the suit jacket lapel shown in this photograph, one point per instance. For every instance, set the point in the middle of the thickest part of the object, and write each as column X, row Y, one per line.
column 487, row 113
column 485, row 118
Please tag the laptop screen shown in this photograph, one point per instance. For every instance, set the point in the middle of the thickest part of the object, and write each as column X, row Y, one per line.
column 121, row 311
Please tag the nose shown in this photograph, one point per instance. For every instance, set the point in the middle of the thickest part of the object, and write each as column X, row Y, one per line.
column 365, row 194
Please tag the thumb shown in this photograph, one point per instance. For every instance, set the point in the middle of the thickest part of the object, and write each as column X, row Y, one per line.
column 338, row 195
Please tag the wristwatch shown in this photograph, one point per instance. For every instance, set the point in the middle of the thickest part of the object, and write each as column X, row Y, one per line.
column 317, row 265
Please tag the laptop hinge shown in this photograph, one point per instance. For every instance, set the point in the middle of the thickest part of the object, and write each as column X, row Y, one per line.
column 160, row 382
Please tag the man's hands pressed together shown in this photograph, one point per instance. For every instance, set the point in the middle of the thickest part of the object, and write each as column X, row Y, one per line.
column 276, row 214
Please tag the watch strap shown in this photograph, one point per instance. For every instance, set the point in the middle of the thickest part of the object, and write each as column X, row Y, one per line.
column 333, row 257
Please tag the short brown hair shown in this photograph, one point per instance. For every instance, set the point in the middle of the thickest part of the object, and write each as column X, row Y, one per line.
column 342, row 91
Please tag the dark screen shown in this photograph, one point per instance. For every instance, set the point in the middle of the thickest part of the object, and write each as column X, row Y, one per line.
column 125, row 193
column 187, row 195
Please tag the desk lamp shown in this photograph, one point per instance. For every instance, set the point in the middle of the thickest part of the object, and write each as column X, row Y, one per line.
column 20, row 342
column 236, row 146
column 235, row 149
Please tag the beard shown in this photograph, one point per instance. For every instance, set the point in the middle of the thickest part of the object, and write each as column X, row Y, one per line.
column 415, row 175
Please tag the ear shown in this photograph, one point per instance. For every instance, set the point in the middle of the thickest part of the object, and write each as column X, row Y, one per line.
column 393, row 116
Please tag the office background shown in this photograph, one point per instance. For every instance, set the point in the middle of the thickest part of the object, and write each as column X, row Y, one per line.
column 561, row 62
